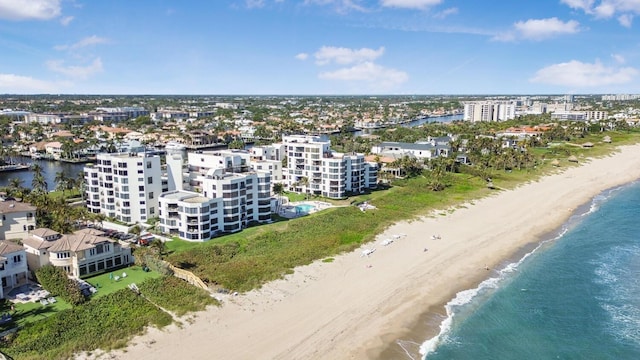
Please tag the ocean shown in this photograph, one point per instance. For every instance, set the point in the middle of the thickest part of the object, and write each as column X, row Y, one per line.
column 576, row 296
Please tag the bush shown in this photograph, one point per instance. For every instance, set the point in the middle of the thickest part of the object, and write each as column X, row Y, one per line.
column 176, row 295
column 56, row 281
column 106, row 322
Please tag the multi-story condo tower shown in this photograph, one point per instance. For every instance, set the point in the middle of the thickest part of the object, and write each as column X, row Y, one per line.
column 489, row 111
column 226, row 195
column 228, row 203
column 313, row 168
column 124, row 186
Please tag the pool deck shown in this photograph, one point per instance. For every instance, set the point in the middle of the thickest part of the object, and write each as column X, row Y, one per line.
column 289, row 210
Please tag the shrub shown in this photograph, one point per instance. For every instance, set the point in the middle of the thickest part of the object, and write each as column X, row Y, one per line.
column 56, row 281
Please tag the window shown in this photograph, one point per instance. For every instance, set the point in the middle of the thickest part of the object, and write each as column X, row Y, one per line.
column 150, row 180
column 148, row 164
column 151, row 195
column 141, row 188
column 152, row 211
column 17, row 258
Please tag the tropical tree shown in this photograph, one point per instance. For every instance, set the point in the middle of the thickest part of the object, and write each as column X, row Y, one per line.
column 15, row 187
column 62, row 181
column 304, row 181
column 278, row 189
column 38, row 184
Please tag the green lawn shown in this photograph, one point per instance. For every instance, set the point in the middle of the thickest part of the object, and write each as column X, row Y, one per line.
column 31, row 312
column 107, row 284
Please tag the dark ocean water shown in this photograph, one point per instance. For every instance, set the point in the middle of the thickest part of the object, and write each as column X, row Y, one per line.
column 577, row 296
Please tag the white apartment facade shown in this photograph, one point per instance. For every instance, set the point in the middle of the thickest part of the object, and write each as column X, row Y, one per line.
column 313, row 168
column 228, row 202
column 124, row 186
column 475, row 111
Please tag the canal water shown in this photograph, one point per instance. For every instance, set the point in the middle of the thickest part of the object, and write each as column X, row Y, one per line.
column 49, row 171
column 418, row 122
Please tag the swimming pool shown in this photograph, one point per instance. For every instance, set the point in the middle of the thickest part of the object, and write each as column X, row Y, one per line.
column 305, row 208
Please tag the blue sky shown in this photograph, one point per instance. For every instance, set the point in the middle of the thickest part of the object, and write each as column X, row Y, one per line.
column 322, row 47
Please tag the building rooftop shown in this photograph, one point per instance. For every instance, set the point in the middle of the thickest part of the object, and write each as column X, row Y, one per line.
column 11, row 206
column 7, row 247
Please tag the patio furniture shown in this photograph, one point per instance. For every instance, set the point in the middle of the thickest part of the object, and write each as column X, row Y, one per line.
column 51, row 300
column 124, row 274
column 44, row 302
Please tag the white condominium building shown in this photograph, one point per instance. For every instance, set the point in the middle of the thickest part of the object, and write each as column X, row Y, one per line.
column 124, row 186
column 313, row 168
column 489, row 111
column 229, row 202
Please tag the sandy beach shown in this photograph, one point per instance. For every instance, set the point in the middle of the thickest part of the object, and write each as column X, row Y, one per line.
column 358, row 306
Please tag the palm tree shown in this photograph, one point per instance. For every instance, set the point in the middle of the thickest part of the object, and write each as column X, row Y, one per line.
column 62, row 182
column 278, row 189
column 15, row 187
column 304, row 181
column 38, row 184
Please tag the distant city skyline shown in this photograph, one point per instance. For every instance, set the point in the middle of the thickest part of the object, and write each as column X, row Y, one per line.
column 319, row 47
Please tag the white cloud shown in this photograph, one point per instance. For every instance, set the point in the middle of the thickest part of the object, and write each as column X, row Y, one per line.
column 341, row 6
column 539, row 29
column 76, row 72
column 66, row 20
column 625, row 9
column 410, row 4
column 29, row 10
column 88, row 41
column 11, row 83
column 446, row 12
column 302, row 56
column 378, row 77
column 584, row 5
column 252, row 4
column 577, row 74
column 344, row 56
column 618, row 58
column 605, row 9
column 625, row 20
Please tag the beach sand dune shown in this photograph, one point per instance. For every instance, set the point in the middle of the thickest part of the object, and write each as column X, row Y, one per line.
column 357, row 306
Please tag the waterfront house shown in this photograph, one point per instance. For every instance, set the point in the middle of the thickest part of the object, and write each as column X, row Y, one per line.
column 79, row 254
column 53, row 149
column 420, row 150
column 18, row 218
column 13, row 266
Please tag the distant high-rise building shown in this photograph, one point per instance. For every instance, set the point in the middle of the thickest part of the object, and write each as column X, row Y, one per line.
column 489, row 111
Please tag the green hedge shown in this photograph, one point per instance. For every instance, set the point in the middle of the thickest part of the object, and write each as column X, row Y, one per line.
column 107, row 322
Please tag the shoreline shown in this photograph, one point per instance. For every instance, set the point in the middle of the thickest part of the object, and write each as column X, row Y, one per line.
column 356, row 307
column 428, row 324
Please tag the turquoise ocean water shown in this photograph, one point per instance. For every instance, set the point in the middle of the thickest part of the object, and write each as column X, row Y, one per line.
column 576, row 296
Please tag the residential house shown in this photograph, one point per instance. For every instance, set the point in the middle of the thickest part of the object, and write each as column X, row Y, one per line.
column 18, row 218
column 85, row 252
column 13, row 266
